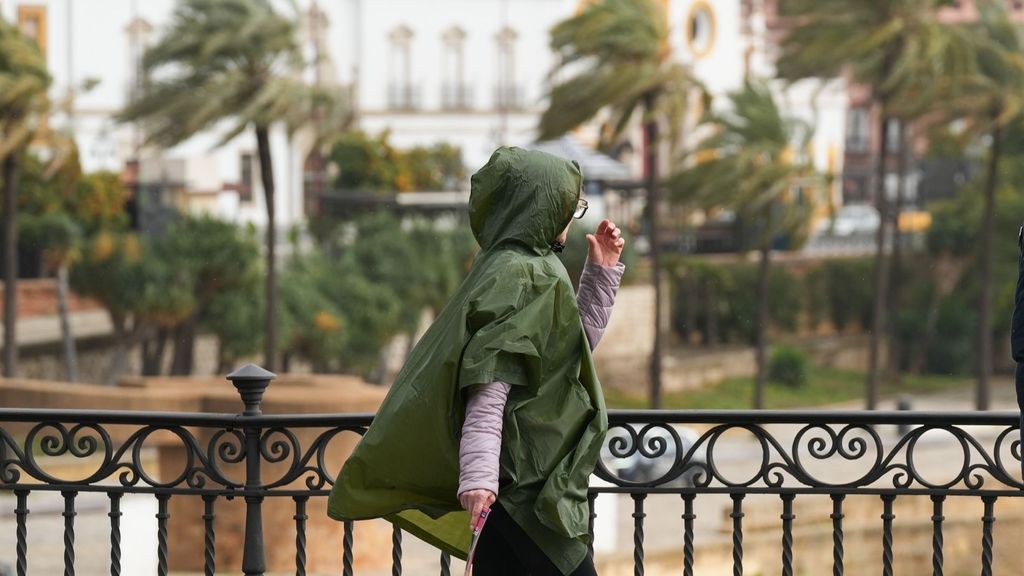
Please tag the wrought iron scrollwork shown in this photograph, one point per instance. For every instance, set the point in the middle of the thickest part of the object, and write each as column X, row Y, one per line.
column 783, row 463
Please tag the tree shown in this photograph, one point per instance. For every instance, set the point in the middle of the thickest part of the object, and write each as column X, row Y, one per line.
column 206, row 258
column 617, row 53
column 23, row 85
column 58, row 208
column 991, row 99
column 757, row 166
column 372, row 163
column 234, row 61
column 364, row 162
column 894, row 47
column 113, row 272
column 231, row 317
column 334, row 316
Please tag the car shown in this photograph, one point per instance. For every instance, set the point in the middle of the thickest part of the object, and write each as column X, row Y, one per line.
column 637, row 467
column 857, row 219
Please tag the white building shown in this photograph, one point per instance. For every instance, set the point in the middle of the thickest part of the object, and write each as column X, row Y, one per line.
column 469, row 72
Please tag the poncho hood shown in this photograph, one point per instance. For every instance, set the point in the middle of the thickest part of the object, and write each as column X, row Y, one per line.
column 514, row 319
column 523, row 196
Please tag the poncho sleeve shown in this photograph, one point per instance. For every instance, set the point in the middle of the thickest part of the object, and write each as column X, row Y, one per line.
column 507, row 318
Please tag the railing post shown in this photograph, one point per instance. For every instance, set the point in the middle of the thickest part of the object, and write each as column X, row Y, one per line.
column 250, row 381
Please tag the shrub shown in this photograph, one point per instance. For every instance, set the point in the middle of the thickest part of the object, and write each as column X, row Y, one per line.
column 848, row 287
column 788, row 366
column 729, row 293
column 952, row 350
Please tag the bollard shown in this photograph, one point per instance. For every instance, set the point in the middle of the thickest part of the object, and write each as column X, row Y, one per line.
column 251, row 381
column 903, row 404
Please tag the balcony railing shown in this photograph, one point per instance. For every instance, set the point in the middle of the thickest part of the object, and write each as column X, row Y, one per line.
column 403, row 97
column 456, row 97
column 790, row 454
column 509, row 97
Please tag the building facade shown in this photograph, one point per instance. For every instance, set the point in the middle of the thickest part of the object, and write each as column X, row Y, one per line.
column 473, row 73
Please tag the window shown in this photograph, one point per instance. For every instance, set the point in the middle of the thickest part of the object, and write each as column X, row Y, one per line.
column 401, row 93
column 32, row 23
column 892, row 136
column 454, row 91
column 857, row 130
column 507, row 93
column 139, row 35
column 700, row 29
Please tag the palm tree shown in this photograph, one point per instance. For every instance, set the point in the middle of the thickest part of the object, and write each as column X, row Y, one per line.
column 888, row 45
column 756, row 166
column 617, row 53
column 23, row 85
column 232, row 61
column 990, row 99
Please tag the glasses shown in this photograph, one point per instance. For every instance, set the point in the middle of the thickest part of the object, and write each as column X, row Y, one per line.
column 581, row 209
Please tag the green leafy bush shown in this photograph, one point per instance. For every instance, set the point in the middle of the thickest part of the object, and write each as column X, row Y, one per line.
column 788, row 366
column 726, row 300
column 848, row 291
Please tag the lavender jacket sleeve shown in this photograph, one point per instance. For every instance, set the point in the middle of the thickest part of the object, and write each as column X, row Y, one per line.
column 480, row 445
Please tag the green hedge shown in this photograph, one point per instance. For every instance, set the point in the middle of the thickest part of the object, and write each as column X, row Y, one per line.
column 725, row 301
column 789, row 366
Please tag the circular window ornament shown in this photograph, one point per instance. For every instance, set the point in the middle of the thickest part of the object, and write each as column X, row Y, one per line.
column 700, row 28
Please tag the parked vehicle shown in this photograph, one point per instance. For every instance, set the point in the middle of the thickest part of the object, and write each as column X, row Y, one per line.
column 858, row 219
column 639, row 468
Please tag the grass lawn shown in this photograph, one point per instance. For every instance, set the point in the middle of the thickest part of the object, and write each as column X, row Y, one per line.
column 825, row 386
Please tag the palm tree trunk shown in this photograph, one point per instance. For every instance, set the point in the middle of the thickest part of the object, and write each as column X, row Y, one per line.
column 711, row 302
column 881, row 270
column 985, row 303
column 762, row 325
column 70, row 358
column 895, row 267
column 654, row 202
column 120, row 360
column 690, row 303
column 267, row 177
column 153, row 353
column 184, row 348
column 10, row 176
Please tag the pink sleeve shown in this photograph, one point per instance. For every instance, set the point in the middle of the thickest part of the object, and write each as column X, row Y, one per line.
column 596, row 296
column 480, row 445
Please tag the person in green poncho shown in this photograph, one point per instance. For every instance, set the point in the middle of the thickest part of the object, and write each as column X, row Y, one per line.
column 498, row 403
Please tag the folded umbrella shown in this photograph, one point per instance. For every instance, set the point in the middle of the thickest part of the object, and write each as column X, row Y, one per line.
column 478, row 527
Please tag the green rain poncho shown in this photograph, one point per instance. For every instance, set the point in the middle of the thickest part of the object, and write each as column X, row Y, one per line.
column 513, row 319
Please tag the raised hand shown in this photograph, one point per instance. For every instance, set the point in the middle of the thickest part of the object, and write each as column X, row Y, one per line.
column 606, row 244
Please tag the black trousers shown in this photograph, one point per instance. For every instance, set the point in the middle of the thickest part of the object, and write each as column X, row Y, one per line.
column 505, row 549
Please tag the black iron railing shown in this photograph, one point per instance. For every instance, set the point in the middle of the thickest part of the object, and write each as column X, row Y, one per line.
column 792, row 453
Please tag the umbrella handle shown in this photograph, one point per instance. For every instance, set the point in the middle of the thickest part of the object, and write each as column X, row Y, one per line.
column 478, row 527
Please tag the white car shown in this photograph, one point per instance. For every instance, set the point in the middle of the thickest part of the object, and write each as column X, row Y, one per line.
column 859, row 219
column 639, row 468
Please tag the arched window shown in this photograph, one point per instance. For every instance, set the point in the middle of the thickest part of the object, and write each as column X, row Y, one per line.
column 700, row 29
column 32, row 23
column 454, row 91
column 508, row 93
column 401, row 92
